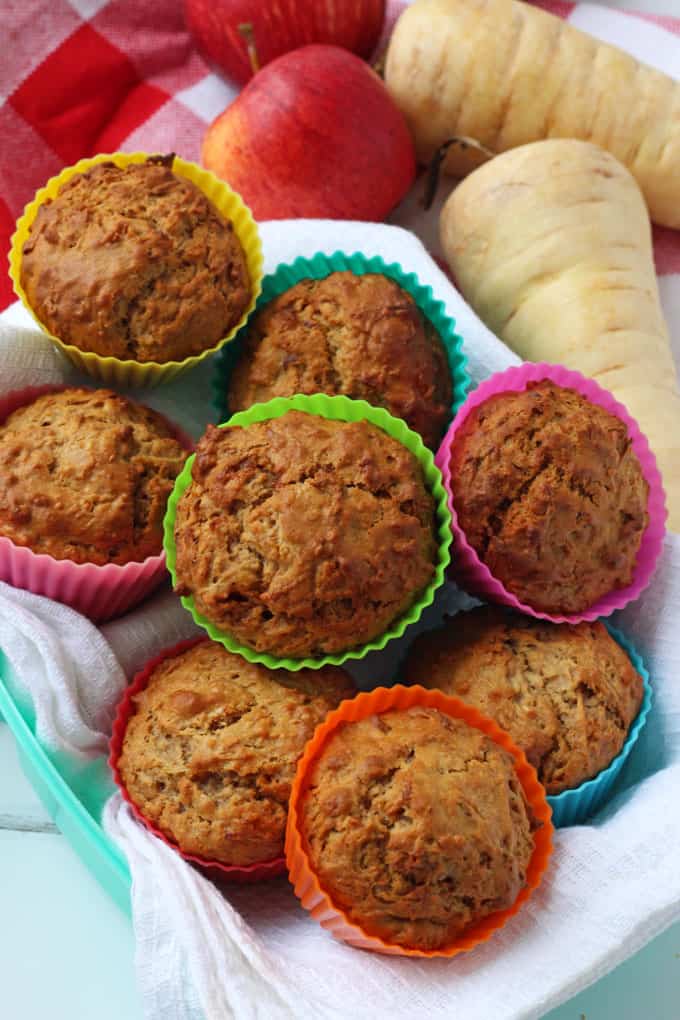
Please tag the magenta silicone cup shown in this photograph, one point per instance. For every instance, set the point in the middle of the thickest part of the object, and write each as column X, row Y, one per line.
column 474, row 576
column 98, row 592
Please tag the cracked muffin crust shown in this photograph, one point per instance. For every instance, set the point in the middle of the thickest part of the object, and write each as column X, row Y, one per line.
column 210, row 753
column 85, row 475
column 358, row 335
column 302, row 536
column 550, row 495
column 567, row 695
column 416, row 825
column 135, row 263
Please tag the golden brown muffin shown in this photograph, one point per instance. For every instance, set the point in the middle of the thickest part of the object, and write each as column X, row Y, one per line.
column 417, row 826
column 361, row 336
column 85, row 475
column 567, row 695
column 550, row 495
column 136, row 263
column 302, row 536
column 210, row 754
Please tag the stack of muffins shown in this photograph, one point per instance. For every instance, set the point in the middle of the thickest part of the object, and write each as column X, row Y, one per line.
column 312, row 527
column 136, row 267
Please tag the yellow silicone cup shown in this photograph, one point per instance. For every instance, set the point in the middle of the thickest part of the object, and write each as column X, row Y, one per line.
column 136, row 373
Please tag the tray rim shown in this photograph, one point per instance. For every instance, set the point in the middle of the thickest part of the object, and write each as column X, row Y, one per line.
column 86, row 836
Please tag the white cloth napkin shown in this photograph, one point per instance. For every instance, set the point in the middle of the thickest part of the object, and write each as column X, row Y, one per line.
column 251, row 951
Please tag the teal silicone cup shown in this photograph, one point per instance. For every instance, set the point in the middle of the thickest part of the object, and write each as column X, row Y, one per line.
column 337, row 409
column 574, row 807
column 318, row 267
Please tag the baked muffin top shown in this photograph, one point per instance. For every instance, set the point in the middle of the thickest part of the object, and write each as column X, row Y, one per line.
column 551, row 496
column 210, row 753
column 135, row 263
column 567, row 695
column 416, row 826
column 358, row 335
column 85, row 475
column 302, row 536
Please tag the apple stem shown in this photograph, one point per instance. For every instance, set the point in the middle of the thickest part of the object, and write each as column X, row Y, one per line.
column 378, row 64
column 434, row 169
column 248, row 32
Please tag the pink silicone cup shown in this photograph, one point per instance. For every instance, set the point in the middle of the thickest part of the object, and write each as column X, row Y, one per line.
column 126, row 707
column 474, row 576
column 98, row 592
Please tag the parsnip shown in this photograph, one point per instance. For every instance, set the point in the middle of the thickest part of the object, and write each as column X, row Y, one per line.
column 505, row 73
column 551, row 245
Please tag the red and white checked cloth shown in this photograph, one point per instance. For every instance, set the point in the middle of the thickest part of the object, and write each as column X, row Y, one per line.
column 79, row 77
column 82, row 76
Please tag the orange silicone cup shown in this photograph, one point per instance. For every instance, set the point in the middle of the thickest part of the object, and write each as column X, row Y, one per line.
column 126, row 708
column 301, row 873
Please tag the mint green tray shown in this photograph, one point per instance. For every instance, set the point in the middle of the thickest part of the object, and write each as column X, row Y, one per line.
column 73, row 796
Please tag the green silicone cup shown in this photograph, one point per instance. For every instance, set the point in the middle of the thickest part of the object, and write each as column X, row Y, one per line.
column 337, row 409
column 286, row 275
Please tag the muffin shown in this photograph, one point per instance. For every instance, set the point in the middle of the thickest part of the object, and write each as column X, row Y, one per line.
column 135, row 263
column 566, row 694
column 358, row 335
column 550, row 494
column 416, row 826
column 210, row 750
column 85, row 476
column 301, row 536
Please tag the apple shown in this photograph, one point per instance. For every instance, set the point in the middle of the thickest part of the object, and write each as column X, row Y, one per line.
column 277, row 26
column 314, row 134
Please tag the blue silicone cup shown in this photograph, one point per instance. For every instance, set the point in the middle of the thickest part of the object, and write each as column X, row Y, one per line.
column 574, row 807
column 286, row 275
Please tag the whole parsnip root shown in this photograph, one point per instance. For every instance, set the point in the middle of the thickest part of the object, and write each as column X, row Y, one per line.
column 551, row 245
column 505, row 73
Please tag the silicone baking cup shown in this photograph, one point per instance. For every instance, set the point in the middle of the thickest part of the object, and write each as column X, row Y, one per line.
column 136, row 373
column 125, row 710
column 572, row 807
column 99, row 592
column 306, row 883
column 286, row 275
column 474, row 576
column 337, row 409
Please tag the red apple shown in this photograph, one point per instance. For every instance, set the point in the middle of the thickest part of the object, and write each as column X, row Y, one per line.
column 279, row 26
column 315, row 133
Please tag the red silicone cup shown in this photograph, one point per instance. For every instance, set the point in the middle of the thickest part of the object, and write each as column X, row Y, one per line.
column 126, row 708
column 474, row 576
column 98, row 592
